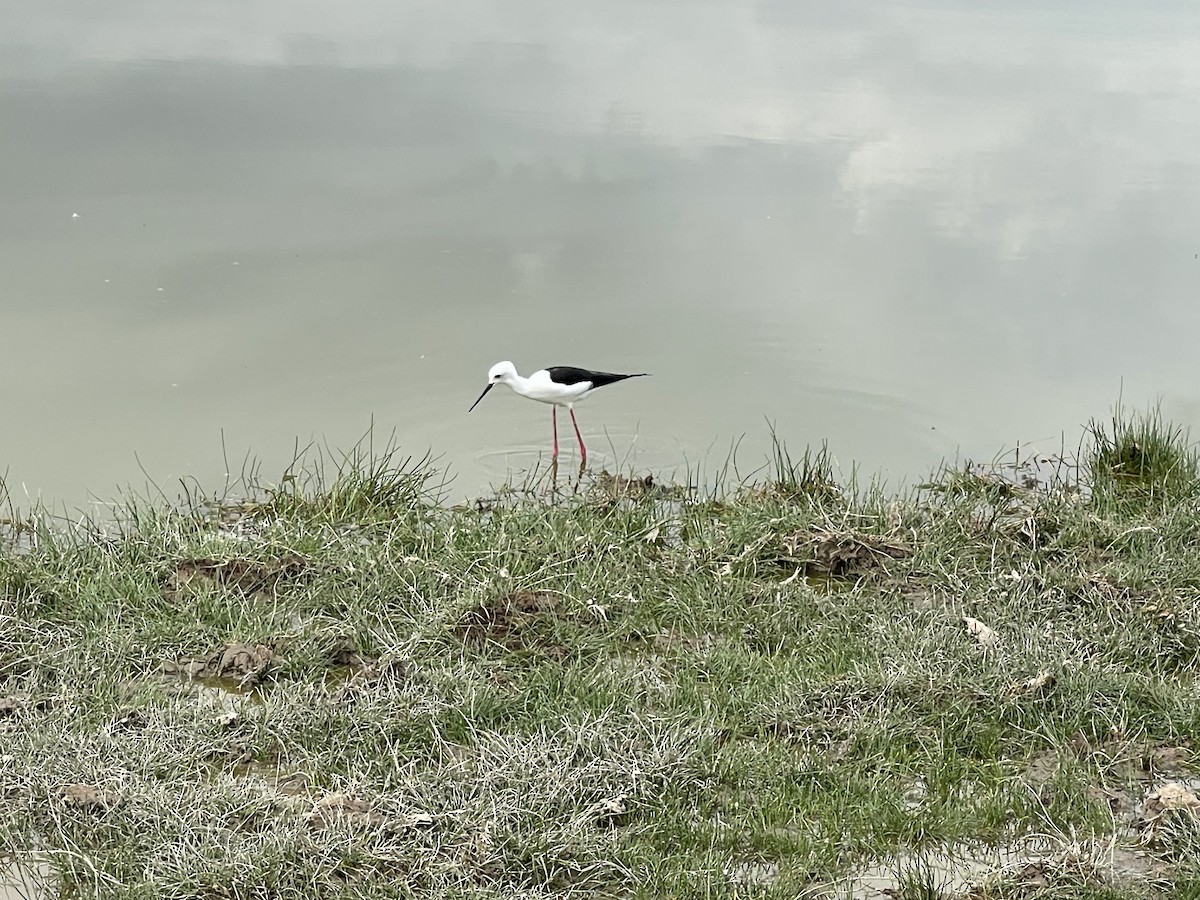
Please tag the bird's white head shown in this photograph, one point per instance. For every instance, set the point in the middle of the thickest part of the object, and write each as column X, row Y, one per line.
column 501, row 373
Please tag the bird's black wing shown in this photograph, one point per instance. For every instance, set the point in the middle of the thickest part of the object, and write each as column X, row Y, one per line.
column 573, row 375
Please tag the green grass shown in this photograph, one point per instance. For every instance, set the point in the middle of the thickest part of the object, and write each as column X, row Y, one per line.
column 1141, row 461
column 621, row 689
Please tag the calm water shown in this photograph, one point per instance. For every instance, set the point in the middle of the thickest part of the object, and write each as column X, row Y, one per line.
column 915, row 231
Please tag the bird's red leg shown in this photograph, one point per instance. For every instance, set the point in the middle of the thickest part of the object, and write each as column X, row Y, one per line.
column 554, row 425
column 579, row 437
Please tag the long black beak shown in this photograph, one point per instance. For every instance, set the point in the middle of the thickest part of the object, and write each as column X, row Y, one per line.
column 491, row 384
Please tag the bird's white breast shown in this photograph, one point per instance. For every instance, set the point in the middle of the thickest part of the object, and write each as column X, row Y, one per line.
column 539, row 386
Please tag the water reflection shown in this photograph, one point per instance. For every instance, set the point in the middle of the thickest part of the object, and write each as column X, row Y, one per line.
column 910, row 231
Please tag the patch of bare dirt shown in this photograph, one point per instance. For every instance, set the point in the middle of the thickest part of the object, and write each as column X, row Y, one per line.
column 1112, row 592
column 521, row 620
column 752, row 875
column 89, row 797
column 1170, row 821
column 10, row 706
column 1121, row 759
column 1109, row 866
column 920, row 591
column 1152, row 791
column 338, row 808
column 334, row 808
column 1034, row 868
column 247, row 576
column 15, row 705
column 235, row 752
column 1041, row 767
column 243, row 664
column 1132, row 762
column 353, row 683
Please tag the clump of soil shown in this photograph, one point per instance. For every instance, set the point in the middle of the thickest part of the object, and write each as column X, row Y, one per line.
column 612, row 487
column 129, row 720
column 333, row 808
column 517, row 621
column 610, row 812
column 841, row 555
column 247, row 576
column 346, row 654
column 247, row 665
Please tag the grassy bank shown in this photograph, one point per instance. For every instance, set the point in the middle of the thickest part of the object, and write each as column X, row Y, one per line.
column 344, row 687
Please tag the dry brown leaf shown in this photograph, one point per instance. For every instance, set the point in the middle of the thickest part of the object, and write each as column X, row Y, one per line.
column 1171, row 795
column 985, row 636
column 415, row 820
column 610, row 810
column 1042, row 681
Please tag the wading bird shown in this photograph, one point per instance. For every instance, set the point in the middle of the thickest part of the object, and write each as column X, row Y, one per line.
column 558, row 386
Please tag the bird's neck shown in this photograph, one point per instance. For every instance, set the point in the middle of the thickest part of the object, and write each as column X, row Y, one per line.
column 520, row 384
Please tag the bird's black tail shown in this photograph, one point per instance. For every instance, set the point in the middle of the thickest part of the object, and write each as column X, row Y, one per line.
column 600, row 379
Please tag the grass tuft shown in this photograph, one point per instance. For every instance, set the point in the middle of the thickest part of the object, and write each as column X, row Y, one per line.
column 1140, row 461
column 918, row 880
column 365, row 485
column 807, row 479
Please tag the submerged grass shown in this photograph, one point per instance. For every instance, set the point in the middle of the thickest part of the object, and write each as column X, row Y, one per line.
column 341, row 686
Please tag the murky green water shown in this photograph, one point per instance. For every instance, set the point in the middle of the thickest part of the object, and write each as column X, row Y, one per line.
column 915, row 231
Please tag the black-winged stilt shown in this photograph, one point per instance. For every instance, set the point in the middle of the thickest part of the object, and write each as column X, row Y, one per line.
column 558, row 386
